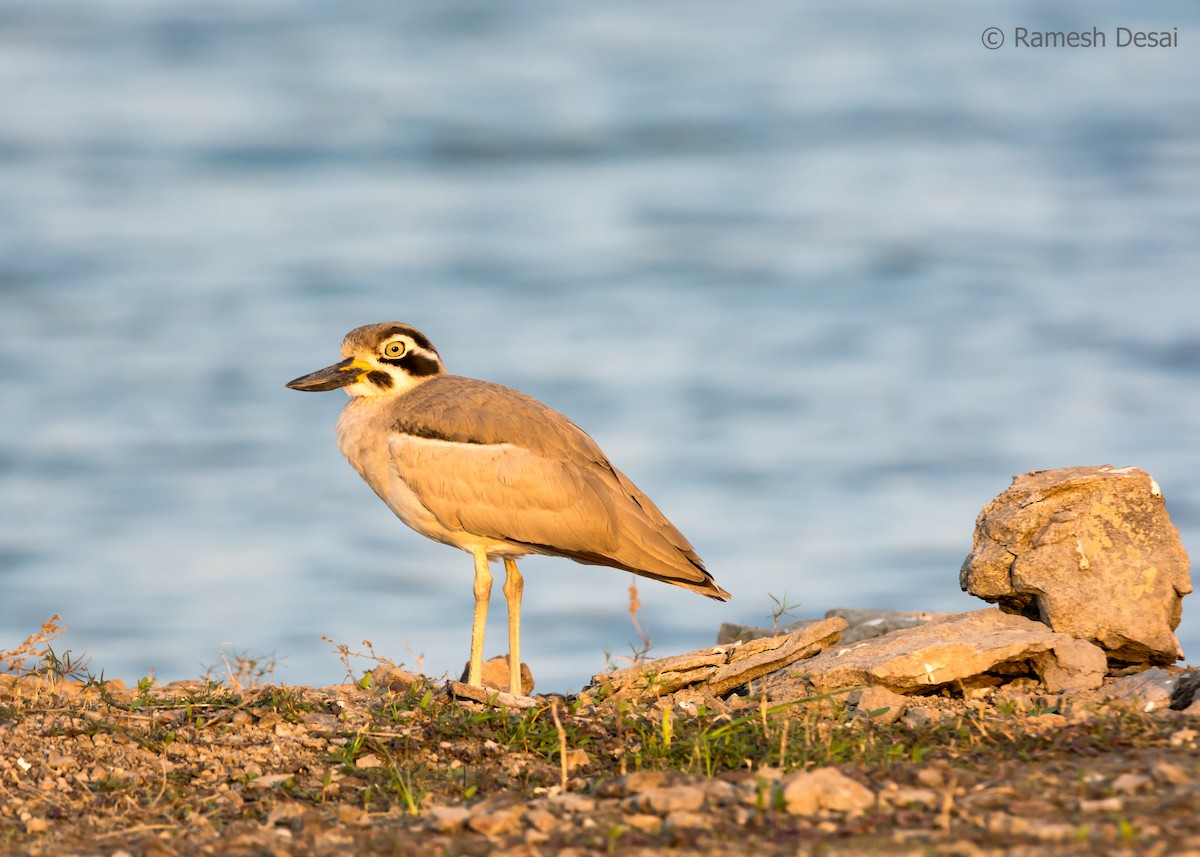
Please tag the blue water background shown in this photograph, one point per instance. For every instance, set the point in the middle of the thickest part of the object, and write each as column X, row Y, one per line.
column 820, row 277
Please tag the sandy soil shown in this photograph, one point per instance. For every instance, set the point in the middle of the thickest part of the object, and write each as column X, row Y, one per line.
column 199, row 768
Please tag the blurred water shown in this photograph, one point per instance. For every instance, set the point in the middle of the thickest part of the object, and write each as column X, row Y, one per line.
column 819, row 278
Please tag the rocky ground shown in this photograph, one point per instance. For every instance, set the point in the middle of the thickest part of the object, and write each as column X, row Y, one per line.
column 93, row 768
column 1056, row 725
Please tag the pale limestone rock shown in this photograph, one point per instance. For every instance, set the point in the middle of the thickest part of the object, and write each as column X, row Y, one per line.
column 718, row 791
column 1169, row 773
column 642, row 781
column 496, row 822
column 1076, row 665
column 902, row 796
column 1091, row 552
column 1103, row 804
column 1150, row 690
column 718, row 670
column 1130, row 783
column 445, row 819
column 394, row 678
column 572, row 802
column 354, row 816
column 669, row 799
column 368, row 761
column 862, row 624
column 1003, row 823
column 487, row 696
column 809, row 792
column 922, row 717
column 495, row 675
column 970, row 649
column 541, row 820
column 577, row 758
column 688, row 820
column 879, row 699
column 643, row 822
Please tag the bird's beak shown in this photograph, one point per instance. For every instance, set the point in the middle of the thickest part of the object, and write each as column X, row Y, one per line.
column 331, row 377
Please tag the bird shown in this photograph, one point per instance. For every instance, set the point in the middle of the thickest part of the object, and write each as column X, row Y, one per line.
column 494, row 472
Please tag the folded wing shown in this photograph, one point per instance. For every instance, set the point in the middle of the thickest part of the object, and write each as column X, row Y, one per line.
column 529, row 475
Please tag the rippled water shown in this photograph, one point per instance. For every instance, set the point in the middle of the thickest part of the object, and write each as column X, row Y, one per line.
column 819, row 278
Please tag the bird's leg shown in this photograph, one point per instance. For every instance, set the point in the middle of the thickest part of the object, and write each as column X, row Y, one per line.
column 514, row 585
column 483, row 592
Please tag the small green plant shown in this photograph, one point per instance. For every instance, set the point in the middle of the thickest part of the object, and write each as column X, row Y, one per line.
column 781, row 609
column 350, row 752
column 466, row 789
column 403, row 785
column 614, row 833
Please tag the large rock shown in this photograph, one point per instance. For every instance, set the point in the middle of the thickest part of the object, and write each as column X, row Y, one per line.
column 979, row 649
column 1091, row 552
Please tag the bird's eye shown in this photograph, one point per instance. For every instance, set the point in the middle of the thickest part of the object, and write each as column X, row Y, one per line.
column 394, row 349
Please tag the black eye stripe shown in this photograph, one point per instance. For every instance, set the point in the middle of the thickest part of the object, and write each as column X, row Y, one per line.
column 418, row 365
column 415, row 363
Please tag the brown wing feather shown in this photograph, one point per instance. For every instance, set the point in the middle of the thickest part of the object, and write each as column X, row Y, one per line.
column 494, row 462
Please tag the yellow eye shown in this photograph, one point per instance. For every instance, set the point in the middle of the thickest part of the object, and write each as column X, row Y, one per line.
column 394, row 349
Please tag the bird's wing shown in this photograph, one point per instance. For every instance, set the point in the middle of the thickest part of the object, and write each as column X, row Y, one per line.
column 506, row 492
column 491, row 461
column 494, row 462
column 465, row 410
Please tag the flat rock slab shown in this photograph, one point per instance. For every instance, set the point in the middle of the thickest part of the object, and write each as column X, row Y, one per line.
column 1091, row 552
column 720, row 669
column 490, row 697
column 1148, row 691
column 976, row 649
column 862, row 624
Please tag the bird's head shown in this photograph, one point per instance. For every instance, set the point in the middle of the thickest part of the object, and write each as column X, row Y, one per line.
column 380, row 360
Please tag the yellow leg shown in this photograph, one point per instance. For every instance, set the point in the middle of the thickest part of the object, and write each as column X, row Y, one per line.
column 483, row 592
column 514, row 585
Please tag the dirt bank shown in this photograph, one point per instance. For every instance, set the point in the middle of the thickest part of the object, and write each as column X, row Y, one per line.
column 198, row 768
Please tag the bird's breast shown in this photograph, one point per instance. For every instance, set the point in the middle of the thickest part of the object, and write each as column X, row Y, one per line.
column 362, row 438
column 365, row 432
